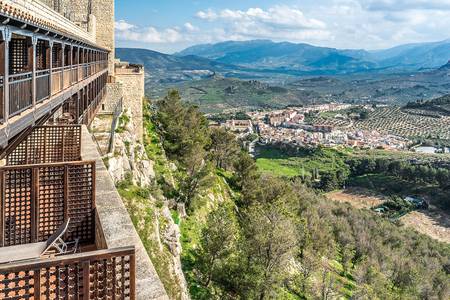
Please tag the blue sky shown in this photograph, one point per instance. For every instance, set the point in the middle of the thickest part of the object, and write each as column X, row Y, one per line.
column 172, row 25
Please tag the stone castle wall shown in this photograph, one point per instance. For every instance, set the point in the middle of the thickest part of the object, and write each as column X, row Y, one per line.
column 114, row 92
column 133, row 86
column 80, row 11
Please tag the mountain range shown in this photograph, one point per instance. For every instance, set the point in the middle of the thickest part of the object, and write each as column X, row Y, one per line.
column 285, row 56
column 266, row 74
column 264, row 56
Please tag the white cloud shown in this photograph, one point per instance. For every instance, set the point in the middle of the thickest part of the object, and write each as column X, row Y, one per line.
column 123, row 25
column 189, row 27
column 279, row 23
column 207, row 15
column 130, row 32
column 280, row 15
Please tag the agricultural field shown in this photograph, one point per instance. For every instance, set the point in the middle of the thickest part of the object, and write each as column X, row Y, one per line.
column 433, row 222
column 337, row 123
column 358, row 197
column 405, row 122
column 394, row 120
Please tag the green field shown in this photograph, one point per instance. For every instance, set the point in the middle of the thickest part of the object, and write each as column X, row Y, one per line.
column 305, row 163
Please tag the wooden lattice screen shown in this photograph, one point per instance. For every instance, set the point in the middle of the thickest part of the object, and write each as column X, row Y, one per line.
column 41, row 55
column 107, row 274
column 48, row 144
column 37, row 199
column 56, row 55
column 18, row 56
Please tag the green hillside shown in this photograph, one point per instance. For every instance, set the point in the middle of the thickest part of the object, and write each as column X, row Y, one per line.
column 219, row 93
column 249, row 235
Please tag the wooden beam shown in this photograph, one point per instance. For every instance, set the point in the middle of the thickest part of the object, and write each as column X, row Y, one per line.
column 33, row 92
column 7, row 39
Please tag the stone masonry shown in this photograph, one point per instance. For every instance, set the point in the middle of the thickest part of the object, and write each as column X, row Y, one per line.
column 132, row 78
column 95, row 15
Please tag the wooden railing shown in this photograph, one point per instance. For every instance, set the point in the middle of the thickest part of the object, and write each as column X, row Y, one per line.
column 48, row 144
column 85, row 71
column 21, row 85
column 20, row 93
column 37, row 199
column 57, row 80
column 42, row 85
column 104, row 274
column 74, row 74
column 93, row 106
column 80, row 72
column 2, row 105
column 66, row 76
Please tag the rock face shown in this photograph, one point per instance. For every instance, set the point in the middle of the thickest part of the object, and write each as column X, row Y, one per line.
column 130, row 162
column 171, row 237
column 129, row 157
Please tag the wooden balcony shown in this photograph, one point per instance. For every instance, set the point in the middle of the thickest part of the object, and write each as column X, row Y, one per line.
column 104, row 274
column 35, row 200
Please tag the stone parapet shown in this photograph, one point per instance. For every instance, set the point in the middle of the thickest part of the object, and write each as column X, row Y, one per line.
column 117, row 228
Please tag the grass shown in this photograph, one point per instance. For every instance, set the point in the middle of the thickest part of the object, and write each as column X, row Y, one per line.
column 303, row 163
column 123, row 122
column 279, row 167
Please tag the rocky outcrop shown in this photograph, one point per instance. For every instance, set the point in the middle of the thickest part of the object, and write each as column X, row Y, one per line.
column 171, row 237
column 129, row 156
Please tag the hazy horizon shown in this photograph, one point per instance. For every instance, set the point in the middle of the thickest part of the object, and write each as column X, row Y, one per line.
column 170, row 26
column 368, row 50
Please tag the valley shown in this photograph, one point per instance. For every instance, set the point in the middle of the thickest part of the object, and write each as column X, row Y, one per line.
column 238, row 209
column 215, row 85
column 326, row 144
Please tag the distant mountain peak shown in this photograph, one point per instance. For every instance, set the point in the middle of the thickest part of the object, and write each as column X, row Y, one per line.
column 446, row 66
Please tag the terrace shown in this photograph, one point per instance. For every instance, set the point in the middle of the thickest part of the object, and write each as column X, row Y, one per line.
column 46, row 183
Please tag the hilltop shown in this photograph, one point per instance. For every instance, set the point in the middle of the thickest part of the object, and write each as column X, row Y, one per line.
column 439, row 107
column 219, row 93
column 210, row 203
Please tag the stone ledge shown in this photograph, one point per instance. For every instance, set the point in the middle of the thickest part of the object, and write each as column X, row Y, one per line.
column 117, row 227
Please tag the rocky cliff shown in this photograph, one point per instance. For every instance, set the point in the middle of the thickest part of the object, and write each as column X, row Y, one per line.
column 154, row 216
